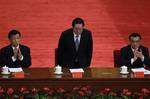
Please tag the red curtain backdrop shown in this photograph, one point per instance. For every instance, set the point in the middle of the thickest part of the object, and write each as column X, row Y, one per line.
column 42, row 21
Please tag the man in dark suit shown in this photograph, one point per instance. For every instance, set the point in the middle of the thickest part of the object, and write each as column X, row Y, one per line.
column 75, row 46
column 15, row 54
column 135, row 55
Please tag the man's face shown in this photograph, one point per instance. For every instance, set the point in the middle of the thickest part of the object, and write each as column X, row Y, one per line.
column 15, row 40
column 135, row 42
column 78, row 28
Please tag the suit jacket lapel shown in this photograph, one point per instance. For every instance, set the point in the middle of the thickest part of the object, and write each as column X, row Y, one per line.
column 81, row 41
column 130, row 52
column 10, row 50
column 140, row 48
column 20, row 47
column 72, row 41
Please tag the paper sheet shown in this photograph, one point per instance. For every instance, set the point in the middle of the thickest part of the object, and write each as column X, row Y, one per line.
column 15, row 70
column 141, row 70
column 76, row 70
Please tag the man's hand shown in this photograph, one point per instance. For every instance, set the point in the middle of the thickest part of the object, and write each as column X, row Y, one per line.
column 19, row 54
column 135, row 55
column 139, row 54
column 15, row 53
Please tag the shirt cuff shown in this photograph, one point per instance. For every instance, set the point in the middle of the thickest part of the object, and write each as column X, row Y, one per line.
column 132, row 61
column 13, row 58
column 143, row 59
column 21, row 58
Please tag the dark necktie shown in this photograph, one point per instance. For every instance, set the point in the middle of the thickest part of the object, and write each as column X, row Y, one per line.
column 77, row 42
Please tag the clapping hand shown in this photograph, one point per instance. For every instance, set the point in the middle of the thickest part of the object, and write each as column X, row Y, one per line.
column 15, row 52
column 19, row 54
column 138, row 54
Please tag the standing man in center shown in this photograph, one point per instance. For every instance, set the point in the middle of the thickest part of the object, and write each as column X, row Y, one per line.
column 75, row 46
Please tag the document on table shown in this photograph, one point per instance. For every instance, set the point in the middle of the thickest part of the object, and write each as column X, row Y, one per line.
column 15, row 70
column 77, row 70
column 141, row 70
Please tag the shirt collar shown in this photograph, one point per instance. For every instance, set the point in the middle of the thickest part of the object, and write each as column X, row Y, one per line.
column 133, row 49
column 15, row 47
column 75, row 35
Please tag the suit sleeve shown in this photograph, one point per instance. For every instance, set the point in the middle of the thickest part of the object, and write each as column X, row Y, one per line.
column 60, row 49
column 26, row 62
column 89, row 49
column 123, row 60
column 1, row 58
column 5, row 59
column 146, row 58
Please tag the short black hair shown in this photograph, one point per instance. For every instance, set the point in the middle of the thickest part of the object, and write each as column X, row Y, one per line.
column 77, row 21
column 135, row 35
column 13, row 32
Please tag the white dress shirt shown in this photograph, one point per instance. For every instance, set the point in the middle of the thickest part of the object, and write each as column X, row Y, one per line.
column 75, row 37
